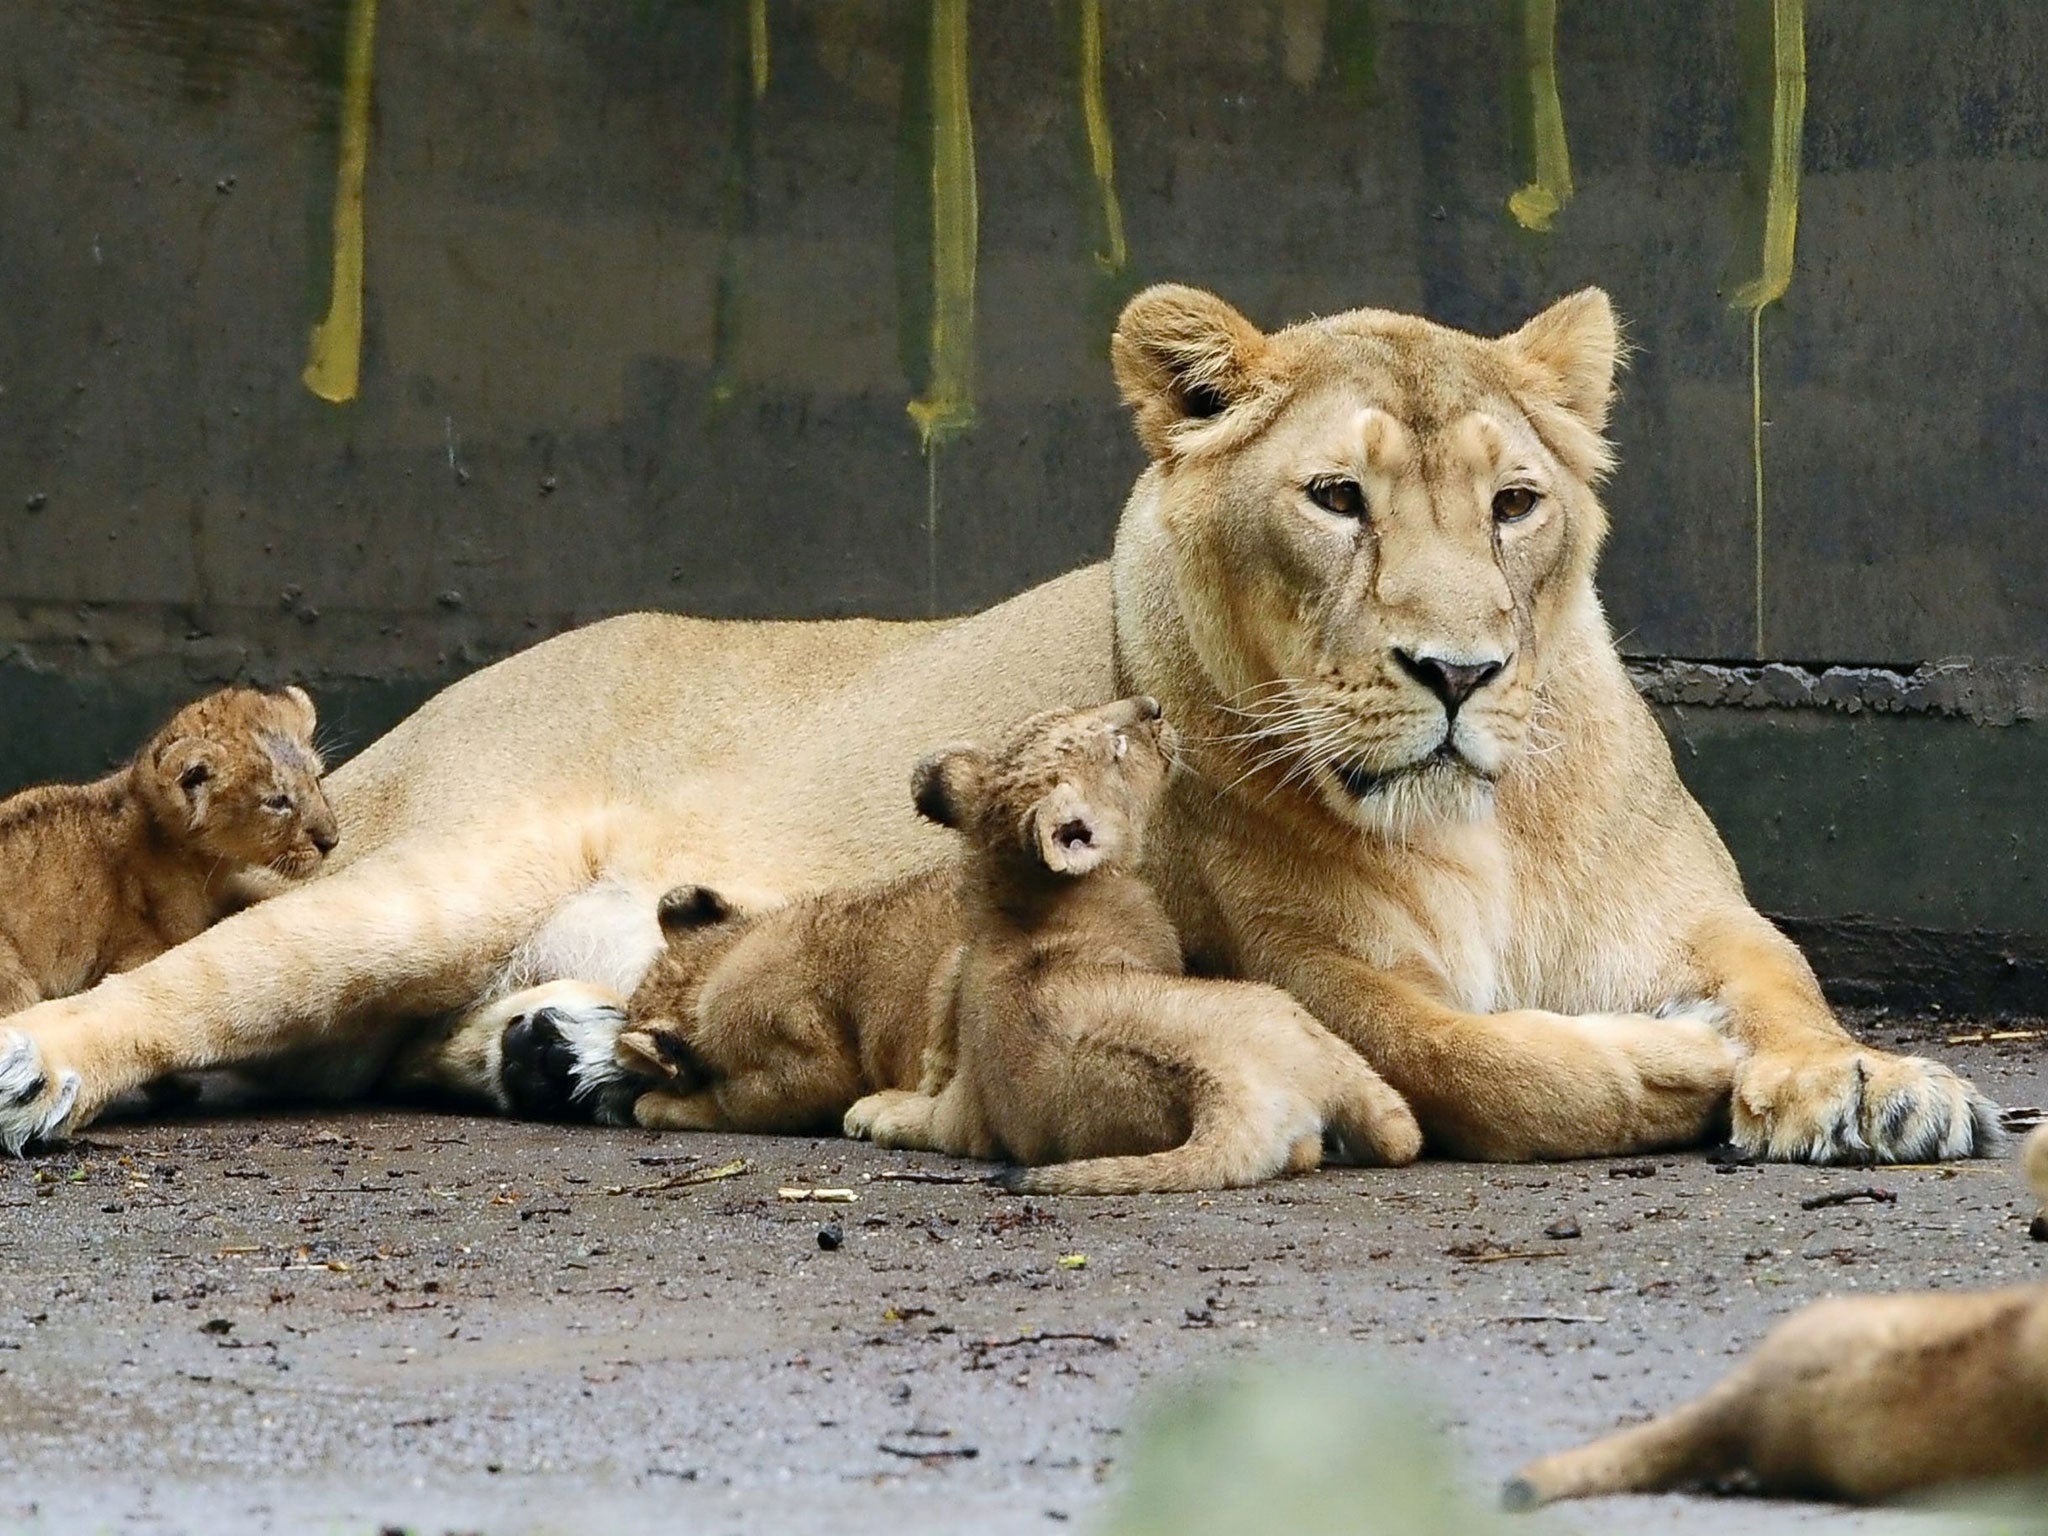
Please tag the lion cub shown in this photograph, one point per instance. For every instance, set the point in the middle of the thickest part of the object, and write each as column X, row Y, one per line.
column 1034, row 992
column 220, row 808
column 1859, row 1398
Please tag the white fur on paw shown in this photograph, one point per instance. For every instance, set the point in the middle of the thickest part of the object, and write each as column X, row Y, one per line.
column 33, row 1109
column 1862, row 1107
column 591, row 1030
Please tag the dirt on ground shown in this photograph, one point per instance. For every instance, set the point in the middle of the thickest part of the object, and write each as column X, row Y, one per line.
column 351, row 1321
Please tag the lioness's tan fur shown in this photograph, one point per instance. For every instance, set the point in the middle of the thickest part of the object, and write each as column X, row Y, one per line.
column 1493, row 902
column 1859, row 1398
column 221, row 807
column 1068, row 1036
column 1495, row 936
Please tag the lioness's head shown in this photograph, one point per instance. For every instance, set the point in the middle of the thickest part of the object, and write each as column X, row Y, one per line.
column 1359, row 535
column 236, row 777
column 1069, row 792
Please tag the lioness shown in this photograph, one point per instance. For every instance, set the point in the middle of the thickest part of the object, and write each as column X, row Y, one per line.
column 221, row 807
column 1422, row 796
column 1860, row 1398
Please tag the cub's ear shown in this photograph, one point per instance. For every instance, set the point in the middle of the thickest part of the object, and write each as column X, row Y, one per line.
column 943, row 787
column 1066, row 833
column 188, row 764
column 1181, row 356
column 691, row 906
column 304, row 701
column 1574, row 346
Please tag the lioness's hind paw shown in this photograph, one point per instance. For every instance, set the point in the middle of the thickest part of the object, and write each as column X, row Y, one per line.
column 560, row 1062
column 34, row 1107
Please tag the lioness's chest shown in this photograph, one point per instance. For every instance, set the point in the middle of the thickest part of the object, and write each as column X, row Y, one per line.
column 1443, row 906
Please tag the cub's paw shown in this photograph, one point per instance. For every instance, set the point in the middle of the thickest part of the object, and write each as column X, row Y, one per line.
column 559, row 1061
column 1851, row 1105
column 895, row 1117
column 36, row 1101
column 663, row 1057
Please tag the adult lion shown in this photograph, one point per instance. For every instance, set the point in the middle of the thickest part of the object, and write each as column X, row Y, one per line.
column 1419, row 791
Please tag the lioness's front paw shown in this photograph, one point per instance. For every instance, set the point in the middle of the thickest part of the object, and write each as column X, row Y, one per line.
column 559, row 1061
column 35, row 1100
column 1851, row 1105
column 892, row 1118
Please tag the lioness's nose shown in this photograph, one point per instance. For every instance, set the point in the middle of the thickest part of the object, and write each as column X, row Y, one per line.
column 325, row 836
column 1453, row 682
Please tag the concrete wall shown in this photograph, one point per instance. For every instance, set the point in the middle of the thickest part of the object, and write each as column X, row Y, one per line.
column 648, row 288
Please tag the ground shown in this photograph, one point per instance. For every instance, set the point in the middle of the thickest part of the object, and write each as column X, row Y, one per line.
column 339, row 1322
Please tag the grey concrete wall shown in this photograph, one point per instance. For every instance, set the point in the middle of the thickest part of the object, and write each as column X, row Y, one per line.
column 638, row 334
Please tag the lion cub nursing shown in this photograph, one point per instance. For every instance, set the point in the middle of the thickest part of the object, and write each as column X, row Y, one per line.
column 1860, row 1398
column 1033, row 995
column 220, row 808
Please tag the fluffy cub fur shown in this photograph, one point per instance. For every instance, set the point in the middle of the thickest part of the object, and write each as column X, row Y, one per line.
column 776, row 1021
column 1032, row 994
column 220, row 808
column 1861, row 1398
column 1070, row 1037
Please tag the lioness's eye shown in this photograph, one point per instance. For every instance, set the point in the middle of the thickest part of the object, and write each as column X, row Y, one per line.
column 278, row 803
column 1346, row 498
column 1514, row 504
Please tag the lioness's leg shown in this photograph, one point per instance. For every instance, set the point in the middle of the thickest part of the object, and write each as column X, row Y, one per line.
column 415, row 933
column 1809, row 1090
column 1523, row 1086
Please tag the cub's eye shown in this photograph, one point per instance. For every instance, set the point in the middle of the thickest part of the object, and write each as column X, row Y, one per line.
column 1120, row 743
column 1346, row 498
column 1514, row 504
column 278, row 803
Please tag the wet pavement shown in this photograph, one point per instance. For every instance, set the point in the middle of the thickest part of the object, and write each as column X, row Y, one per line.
column 341, row 1322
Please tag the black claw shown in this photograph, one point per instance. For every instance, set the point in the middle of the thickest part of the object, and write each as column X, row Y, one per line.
column 1518, row 1495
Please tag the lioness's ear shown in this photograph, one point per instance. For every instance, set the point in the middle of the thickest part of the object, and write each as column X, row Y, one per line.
column 1066, row 833
column 944, row 785
column 691, row 906
column 1575, row 345
column 1181, row 355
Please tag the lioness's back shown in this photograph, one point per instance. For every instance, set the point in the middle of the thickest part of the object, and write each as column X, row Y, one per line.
column 630, row 707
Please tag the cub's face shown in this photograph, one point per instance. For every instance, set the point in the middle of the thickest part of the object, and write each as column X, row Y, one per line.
column 241, row 769
column 1069, row 792
column 1373, row 527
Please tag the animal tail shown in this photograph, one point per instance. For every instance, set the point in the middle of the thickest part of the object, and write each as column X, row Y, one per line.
column 1239, row 1136
column 1691, row 1445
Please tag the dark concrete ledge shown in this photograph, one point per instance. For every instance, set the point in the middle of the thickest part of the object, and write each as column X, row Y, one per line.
column 1994, row 691
column 1863, row 961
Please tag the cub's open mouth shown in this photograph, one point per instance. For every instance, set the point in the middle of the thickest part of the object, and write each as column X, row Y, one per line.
column 1074, row 834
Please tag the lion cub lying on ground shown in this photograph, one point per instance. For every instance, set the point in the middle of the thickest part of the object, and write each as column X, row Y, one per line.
column 1034, row 993
column 1860, row 1398
column 220, row 808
